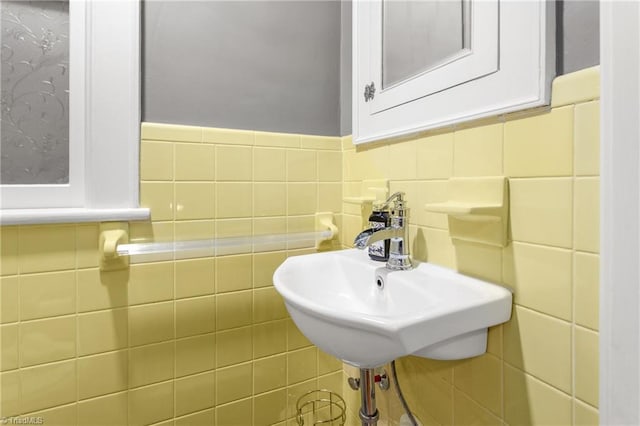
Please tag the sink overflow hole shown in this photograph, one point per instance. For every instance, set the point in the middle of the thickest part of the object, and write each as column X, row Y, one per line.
column 379, row 282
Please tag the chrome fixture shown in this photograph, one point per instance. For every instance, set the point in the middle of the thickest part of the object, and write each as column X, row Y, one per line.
column 397, row 232
column 368, row 411
column 381, row 379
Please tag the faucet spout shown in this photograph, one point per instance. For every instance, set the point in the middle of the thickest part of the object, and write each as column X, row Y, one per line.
column 371, row 235
column 397, row 232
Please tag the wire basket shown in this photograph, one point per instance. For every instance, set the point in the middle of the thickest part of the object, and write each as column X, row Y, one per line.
column 321, row 407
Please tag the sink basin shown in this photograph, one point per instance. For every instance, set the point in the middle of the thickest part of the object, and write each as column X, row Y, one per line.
column 353, row 308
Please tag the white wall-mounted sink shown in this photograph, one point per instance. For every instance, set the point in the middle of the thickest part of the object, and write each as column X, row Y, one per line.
column 353, row 308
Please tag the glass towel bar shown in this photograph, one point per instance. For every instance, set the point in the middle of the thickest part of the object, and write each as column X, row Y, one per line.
column 212, row 247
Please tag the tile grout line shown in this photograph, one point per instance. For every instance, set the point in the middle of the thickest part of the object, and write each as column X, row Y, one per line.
column 173, row 260
column 573, row 268
column 77, row 328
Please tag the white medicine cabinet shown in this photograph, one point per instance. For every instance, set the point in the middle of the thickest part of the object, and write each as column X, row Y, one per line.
column 425, row 64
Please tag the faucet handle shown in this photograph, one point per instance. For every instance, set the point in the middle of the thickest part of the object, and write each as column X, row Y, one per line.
column 397, row 198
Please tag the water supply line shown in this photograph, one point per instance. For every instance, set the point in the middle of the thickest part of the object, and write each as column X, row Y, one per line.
column 368, row 412
column 394, row 378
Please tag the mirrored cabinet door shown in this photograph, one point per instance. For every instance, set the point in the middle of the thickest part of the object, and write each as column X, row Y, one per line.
column 422, row 64
column 419, row 36
column 423, row 47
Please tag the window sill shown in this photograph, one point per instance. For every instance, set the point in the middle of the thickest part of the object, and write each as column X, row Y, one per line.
column 71, row 215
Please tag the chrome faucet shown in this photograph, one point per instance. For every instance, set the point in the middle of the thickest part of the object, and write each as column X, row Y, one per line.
column 397, row 232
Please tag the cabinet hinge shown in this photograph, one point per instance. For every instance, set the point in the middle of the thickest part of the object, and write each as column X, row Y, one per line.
column 369, row 92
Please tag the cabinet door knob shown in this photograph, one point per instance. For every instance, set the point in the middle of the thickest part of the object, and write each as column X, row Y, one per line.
column 369, row 92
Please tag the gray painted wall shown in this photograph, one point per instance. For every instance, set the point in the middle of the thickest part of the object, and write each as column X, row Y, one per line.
column 345, row 69
column 260, row 65
column 579, row 35
column 281, row 66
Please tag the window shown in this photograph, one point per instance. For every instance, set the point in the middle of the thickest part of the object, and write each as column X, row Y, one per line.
column 96, row 175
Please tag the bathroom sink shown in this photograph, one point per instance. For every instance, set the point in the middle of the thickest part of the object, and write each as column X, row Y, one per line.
column 353, row 308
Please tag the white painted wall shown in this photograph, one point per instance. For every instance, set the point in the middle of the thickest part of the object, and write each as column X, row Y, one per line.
column 620, row 214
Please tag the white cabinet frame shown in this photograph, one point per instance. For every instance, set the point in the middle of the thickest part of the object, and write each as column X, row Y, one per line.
column 523, row 78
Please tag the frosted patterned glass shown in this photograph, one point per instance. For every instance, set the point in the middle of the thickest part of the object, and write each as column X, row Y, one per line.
column 35, row 92
column 417, row 35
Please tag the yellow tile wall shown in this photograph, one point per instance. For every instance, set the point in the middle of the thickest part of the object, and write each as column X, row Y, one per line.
column 208, row 341
column 179, row 342
column 542, row 366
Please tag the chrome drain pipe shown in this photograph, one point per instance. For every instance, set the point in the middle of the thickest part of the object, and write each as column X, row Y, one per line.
column 368, row 410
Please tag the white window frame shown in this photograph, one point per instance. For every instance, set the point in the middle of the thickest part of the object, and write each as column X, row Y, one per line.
column 104, row 128
column 619, row 213
column 522, row 81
